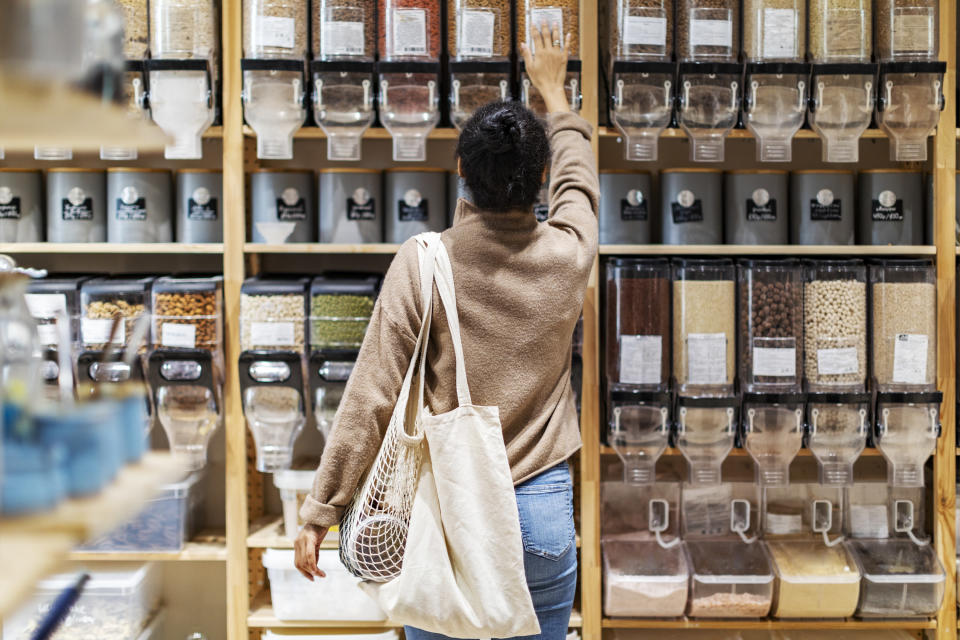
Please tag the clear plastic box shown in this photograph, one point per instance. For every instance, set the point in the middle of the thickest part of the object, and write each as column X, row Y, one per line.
column 642, row 579
column 165, row 524
column 273, row 314
column 47, row 298
column 187, row 313
column 835, row 325
column 340, row 310
column 336, row 597
column 102, row 298
column 729, row 579
column 815, row 581
column 115, row 605
column 900, row 579
column 294, row 485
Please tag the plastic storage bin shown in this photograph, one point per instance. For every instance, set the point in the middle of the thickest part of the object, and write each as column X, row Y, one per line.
column 351, row 205
column 21, row 205
column 102, row 298
column 900, row 579
column 691, row 206
column 165, row 524
column 835, row 325
column 907, row 29
column 139, row 205
column 814, row 581
column 273, row 314
column 49, row 297
column 199, row 203
column 625, row 207
column 642, row 579
column 891, row 207
column 340, row 310
column 294, row 486
column 282, row 206
column 336, row 597
column 822, row 207
column 841, row 31
column 115, row 605
column 756, row 207
column 76, row 205
column 729, row 579
column 187, row 313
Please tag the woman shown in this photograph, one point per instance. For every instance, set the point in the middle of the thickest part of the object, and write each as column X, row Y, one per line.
column 520, row 286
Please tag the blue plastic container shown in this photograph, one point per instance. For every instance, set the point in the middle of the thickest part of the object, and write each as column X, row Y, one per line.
column 90, row 435
column 33, row 477
column 134, row 415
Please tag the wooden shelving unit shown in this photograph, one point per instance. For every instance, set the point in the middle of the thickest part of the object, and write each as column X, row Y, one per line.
column 96, row 248
column 205, row 547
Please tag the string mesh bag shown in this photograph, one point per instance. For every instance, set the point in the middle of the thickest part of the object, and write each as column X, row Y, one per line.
column 373, row 530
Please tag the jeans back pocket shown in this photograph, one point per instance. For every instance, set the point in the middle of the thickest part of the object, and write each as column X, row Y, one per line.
column 546, row 519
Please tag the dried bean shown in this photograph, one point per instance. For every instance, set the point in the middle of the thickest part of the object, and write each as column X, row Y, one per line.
column 566, row 12
column 703, row 309
column 903, row 310
column 416, row 22
column 134, row 28
column 730, row 605
column 257, row 312
column 106, row 310
column 835, row 341
column 770, row 317
column 774, row 29
column 468, row 24
column 643, row 305
column 635, row 29
column 908, row 29
column 340, row 15
column 339, row 320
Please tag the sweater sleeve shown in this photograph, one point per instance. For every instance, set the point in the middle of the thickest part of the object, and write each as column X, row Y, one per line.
column 371, row 393
column 574, row 185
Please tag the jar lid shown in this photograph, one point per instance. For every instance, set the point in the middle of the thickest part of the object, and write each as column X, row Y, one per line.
column 691, row 170
column 416, row 170
column 348, row 170
column 345, row 284
column 136, row 170
column 274, row 285
column 821, row 171
column 74, row 170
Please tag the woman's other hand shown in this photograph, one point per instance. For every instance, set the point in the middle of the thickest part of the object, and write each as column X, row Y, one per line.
column 305, row 548
column 546, row 66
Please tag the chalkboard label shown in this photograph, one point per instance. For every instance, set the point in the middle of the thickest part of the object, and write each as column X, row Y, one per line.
column 761, row 213
column 361, row 211
column 413, row 213
column 202, row 212
column 135, row 211
column 10, row 210
column 77, row 212
column 820, row 211
column 886, row 207
column 296, row 211
column 682, row 214
column 633, row 211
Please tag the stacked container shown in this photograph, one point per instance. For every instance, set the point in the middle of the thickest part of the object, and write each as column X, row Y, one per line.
column 351, row 206
column 103, row 298
column 822, row 207
column 199, row 206
column 76, row 205
column 479, row 43
column 139, row 207
column 282, row 206
column 891, row 207
column 626, row 205
column 691, row 206
column 532, row 16
column 756, row 207
column 21, row 205
column 416, row 202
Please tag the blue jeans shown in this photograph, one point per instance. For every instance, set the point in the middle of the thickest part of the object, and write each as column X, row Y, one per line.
column 545, row 503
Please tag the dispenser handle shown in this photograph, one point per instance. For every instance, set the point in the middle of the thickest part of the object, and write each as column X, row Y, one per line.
column 367, row 94
column 318, row 93
column 740, row 519
column 883, row 425
column 822, row 521
column 863, row 421
column 934, row 422
column 751, row 98
column 616, row 420
column 734, row 95
column 799, row 415
column 455, row 93
column 685, row 97
column 903, row 521
column 730, row 413
column 814, row 416
column 525, row 92
column 667, row 93
column 871, row 100
column 801, row 96
column 683, row 421
column 618, row 96
column 658, row 521
column 751, row 413
column 384, row 85
column 663, row 420
column 504, row 87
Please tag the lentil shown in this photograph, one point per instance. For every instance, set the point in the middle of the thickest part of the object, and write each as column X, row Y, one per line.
column 275, row 29
column 903, row 310
column 637, row 307
column 641, row 29
column 708, row 30
column 134, row 28
column 259, row 310
column 908, row 29
column 404, row 18
column 344, row 15
column 774, row 29
column 703, row 307
column 840, row 30
column 478, row 29
column 730, row 605
column 834, row 314
column 770, row 317
column 541, row 11
column 198, row 309
column 339, row 320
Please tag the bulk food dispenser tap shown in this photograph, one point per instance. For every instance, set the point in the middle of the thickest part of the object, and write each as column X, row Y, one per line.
column 532, row 16
column 642, row 76
column 910, row 87
column 274, row 73
column 272, row 386
column 478, row 36
column 776, row 79
column 638, row 363
column 182, row 72
column 708, row 88
column 842, row 84
column 344, row 47
column 329, row 371
column 838, row 424
column 409, row 74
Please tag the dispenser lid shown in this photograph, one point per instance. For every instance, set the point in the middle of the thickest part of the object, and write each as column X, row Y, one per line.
column 274, row 286
column 774, row 398
column 60, row 284
column 845, row 69
column 838, row 398
column 778, row 68
column 637, row 66
column 480, row 66
column 112, row 286
column 342, row 66
column 629, row 396
column 711, row 68
column 407, row 67
column 918, row 66
column 187, row 285
column 708, row 403
column 345, row 284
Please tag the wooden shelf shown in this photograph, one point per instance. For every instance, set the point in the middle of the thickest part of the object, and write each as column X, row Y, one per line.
column 769, row 249
column 110, row 247
column 37, row 544
column 825, row 625
column 741, row 134
column 205, row 547
column 321, row 248
column 213, row 132
column 735, row 452
column 373, row 133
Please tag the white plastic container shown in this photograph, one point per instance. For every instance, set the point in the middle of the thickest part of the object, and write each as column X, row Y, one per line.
column 293, row 635
column 115, row 605
column 336, row 597
column 294, row 486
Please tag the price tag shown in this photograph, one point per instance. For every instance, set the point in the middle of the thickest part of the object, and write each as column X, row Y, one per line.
column 46, row 305
column 409, row 32
column 706, row 358
column 641, row 30
column 276, row 32
column 779, row 33
column 837, row 362
column 183, row 336
column 476, row 33
column 910, row 358
column 774, row 362
column 640, row 359
column 97, row 331
column 272, row 334
column 711, row 33
column 342, row 39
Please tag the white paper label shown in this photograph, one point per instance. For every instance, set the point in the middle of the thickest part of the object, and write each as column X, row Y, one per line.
column 779, row 33
column 47, row 334
column 774, row 362
column 46, row 305
column 183, row 336
column 409, row 32
column 910, row 358
column 643, row 30
column 913, row 32
column 868, row 521
column 640, row 359
column 476, row 33
column 706, row 358
column 546, row 16
column 711, row 33
column 342, row 39
column 97, row 331
column 781, row 524
column 837, row 362
column 276, row 32
column 272, row 334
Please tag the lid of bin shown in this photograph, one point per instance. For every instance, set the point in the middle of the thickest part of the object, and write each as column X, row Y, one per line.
column 121, row 578
column 187, row 285
column 59, row 284
column 357, row 284
column 897, row 561
column 117, row 285
column 275, row 285
column 293, row 479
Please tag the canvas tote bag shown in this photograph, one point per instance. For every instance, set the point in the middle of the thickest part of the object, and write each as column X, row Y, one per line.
column 462, row 572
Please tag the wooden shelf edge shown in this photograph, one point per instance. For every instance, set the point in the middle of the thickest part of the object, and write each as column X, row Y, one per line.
column 109, row 247
column 735, row 452
column 320, row 248
column 833, row 625
column 742, row 134
column 772, row 249
column 373, row 133
column 206, row 547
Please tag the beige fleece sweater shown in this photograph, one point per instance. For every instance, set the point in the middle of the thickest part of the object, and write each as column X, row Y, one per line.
column 520, row 286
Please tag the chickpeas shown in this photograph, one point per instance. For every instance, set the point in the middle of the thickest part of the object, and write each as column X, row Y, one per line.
column 835, row 329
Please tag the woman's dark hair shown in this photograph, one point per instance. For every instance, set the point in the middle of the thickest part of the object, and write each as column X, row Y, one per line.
column 503, row 150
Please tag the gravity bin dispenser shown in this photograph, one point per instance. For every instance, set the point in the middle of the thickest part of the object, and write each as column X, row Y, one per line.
column 133, row 93
column 479, row 41
column 842, row 98
column 188, row 397
column 838, row 424
column 706, row 432
column 330, row 370
column 532, row 16
column 773, row 434
column 274, row 103
column 272, row 386
column 908, row 425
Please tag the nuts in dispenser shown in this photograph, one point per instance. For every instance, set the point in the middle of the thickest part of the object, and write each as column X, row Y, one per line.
column 184, row 316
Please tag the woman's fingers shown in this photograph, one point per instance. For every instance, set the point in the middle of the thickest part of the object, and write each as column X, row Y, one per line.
column 527, row 58
column 555, row 40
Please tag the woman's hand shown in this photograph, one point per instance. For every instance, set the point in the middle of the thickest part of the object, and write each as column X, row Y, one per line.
column 546, row 66
column 305, row 549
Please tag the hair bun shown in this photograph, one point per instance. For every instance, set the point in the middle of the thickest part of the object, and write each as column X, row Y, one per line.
column 501, row 132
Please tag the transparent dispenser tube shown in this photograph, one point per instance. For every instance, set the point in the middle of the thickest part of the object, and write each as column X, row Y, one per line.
column 474, row 84
column 272, row 386
column 773, row 434
column 187, row 397
column 532, row 99
column 330, row 370
column 709, row 103
column 706, row 429
column 182, row 104
column 838, row 425
column 274, row 93
column 775, row 105
column 641, row 105
column 134, row 97
column 639, row 431
column 343, row 96
column 908, row 425
column 842, row 98
column 909, row 101
column 409, row 106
